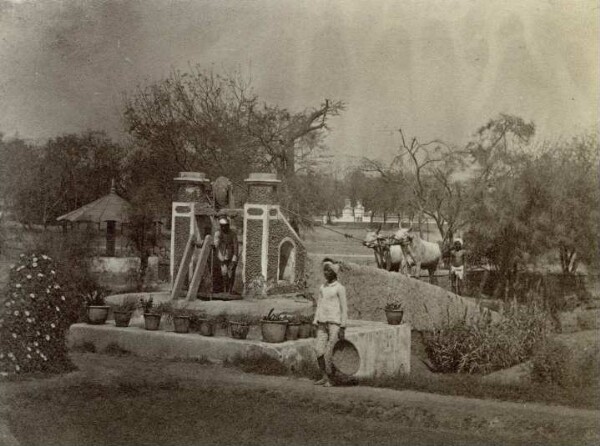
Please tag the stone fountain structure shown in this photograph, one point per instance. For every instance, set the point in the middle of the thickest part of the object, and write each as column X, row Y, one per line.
column 273, row 257
column 271, row 274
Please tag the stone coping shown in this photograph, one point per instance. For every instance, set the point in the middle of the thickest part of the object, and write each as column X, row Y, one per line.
column 194, row 177
column 262, row 178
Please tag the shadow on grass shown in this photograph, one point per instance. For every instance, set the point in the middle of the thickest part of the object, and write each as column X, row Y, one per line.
column 472, row 386
column 262, row 364
column 115, row 349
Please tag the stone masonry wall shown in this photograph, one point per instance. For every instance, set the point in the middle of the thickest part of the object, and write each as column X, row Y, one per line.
column 253, row 250
column 261, row 195
column 181, row 233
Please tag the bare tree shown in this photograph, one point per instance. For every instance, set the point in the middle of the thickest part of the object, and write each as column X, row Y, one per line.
column 431, row 175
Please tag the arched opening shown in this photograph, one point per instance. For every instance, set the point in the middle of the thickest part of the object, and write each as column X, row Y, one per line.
column 287, row 261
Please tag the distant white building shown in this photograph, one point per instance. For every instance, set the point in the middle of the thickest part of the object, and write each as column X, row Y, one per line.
column 359, row 211
column 347, row 212
column 350, row 214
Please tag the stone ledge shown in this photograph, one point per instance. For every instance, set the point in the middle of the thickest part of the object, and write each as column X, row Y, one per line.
column 383, row 349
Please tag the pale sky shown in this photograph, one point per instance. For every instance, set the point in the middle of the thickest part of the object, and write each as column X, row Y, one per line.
column 436, row 68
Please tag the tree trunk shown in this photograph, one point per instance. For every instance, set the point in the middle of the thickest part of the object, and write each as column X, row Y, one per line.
column 289, row 160
column 143, row 268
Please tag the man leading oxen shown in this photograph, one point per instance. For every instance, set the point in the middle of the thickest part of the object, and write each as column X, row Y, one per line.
column 422, row 254
column 388, row 255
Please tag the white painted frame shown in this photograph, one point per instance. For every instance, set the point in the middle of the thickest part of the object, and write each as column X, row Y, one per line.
column 193, row 229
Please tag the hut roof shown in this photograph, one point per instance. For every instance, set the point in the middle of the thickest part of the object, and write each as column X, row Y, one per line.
column 109, row 207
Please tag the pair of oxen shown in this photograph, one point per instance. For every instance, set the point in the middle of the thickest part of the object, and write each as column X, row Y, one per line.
column 404, row 252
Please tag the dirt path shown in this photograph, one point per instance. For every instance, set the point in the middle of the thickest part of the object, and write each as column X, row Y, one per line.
column 167, row 393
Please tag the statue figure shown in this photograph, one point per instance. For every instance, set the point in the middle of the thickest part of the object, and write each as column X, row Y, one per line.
column 226, row 244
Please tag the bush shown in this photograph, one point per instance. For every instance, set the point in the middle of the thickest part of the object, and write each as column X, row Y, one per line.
column 72, row 254
column 487, row 346
column 36, row 315
column 566, row 366
column 550, row 364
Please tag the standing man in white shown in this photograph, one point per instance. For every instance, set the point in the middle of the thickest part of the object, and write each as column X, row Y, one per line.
column 330, row 318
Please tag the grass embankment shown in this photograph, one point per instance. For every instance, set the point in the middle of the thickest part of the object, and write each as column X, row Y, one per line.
column 583, row 396
column 148, row 406
column 474, row 386
column 465, row 385
column 128, row 400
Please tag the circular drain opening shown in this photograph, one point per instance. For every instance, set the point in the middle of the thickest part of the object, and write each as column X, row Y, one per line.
column 345, row 358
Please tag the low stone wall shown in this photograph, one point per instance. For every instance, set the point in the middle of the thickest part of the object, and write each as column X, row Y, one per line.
column 384, row 350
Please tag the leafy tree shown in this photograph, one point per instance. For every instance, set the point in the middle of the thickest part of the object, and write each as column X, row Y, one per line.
column 565, row 180
column 62, row 175
column 18, row 165
column 199, row 120
column 142, row 230
column 499, row 216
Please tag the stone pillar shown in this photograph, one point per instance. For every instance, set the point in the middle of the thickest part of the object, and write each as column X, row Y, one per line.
column 189, row 209
column 261, row 204
column 262, row 188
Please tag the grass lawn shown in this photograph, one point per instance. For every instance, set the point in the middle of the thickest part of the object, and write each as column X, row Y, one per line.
column 137, row 401
column 472, row 386
column 134, row 410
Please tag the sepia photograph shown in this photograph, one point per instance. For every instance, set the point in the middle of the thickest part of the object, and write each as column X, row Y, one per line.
column 299, row 222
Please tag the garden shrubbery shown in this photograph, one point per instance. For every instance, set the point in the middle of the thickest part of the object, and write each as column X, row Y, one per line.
column 557, row 363
column 37, row 312
column 72, row 255
column 488, row 346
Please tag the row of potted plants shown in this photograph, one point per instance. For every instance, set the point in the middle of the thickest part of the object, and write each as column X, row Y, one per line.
column 275, row 327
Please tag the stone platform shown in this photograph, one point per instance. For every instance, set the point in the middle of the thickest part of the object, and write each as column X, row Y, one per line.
column 383, row 350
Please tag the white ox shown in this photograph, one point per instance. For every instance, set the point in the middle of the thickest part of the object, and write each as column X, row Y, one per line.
column 423, row 254
column 388, row 256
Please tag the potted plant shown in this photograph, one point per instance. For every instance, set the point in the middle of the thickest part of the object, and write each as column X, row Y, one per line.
column 273, row 327
column 394, row 311
column 122, row 312
column 239, row 326
column 305, row 329
column 181, row 317
column 152, row 313
column 293, row 327
column 201, row 323
column 97, row 310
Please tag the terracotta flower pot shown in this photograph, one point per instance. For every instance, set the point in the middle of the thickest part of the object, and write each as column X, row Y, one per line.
column 238, row 330
column 305, row 331
column 206, row 327
column 122, row 318
column 181, row 324
column 152, row 321
column 97, row 315
column 292, row 332
column 394, row 317
column 273, row 331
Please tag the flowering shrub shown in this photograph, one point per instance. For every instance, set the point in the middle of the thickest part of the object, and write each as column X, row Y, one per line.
column 34, row 318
